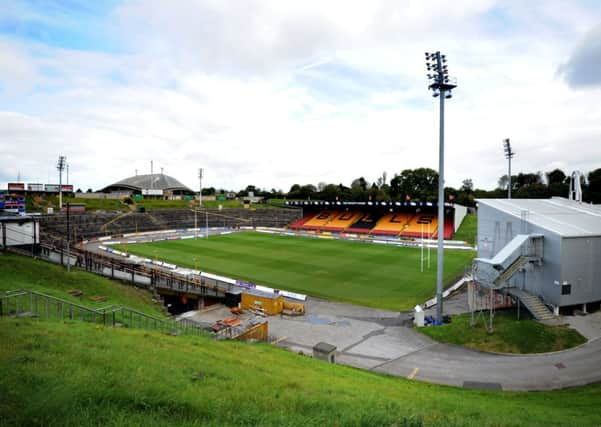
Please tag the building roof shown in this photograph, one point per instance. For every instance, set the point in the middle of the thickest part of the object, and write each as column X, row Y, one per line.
column 258, row 293
column 15, row 217
column 561, row 216
column 157, row 181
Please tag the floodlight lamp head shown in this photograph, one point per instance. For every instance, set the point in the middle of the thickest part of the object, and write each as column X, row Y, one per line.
column 448, row 94
column 61, row 163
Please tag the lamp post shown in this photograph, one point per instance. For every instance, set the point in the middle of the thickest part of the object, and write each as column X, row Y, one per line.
column 508, row 155
column 200, row 171
column 441, row 85
column 62, row 162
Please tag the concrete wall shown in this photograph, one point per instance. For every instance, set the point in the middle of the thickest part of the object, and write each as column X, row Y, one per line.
column 581, row 262
column 113, row 196
column 460, row 212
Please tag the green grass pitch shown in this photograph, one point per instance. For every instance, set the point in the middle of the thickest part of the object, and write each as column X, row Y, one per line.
column 372, row 275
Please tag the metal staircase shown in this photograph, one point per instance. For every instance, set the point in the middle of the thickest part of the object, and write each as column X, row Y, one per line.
column 521, row 251
column 511, row 270
column 532, row 303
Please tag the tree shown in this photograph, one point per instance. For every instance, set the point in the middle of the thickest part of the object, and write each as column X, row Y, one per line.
column 503, row 182
column 89, row 190
column 307, row 191
column 558, row 183
column 208, row 191
column 527, row 179
column 593, row 193
column 420, row 184
column 330, row 192
column 556, row 176
column 467, row 186
column 532, row 191
column 360, row 183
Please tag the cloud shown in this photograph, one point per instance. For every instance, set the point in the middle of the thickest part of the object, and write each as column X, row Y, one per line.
column 583, row 67
column 272, row 93
column 270, row 36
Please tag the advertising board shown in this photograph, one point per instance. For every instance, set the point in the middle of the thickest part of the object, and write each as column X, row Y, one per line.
column 16, row 186
column 35, row 187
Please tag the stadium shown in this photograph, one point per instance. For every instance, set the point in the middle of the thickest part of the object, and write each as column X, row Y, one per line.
column 339, row 280
column 307, row 260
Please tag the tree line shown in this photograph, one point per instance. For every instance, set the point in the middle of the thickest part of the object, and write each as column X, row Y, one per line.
column 421, row 184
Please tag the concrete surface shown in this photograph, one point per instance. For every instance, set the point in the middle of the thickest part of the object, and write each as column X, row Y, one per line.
column 384, row 341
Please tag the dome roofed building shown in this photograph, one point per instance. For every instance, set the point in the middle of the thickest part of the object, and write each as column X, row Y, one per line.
column 157, row 185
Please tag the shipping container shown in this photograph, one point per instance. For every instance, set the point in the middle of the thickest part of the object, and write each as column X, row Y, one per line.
column 68, row 188
column 51, row 188
column 268, row 303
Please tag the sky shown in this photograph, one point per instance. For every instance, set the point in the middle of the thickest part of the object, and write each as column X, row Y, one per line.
column 272, row 93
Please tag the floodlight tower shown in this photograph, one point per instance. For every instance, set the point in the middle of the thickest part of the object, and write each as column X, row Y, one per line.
column 508, row 155
column 200, row 171
column 441, row 85
column 62, row 162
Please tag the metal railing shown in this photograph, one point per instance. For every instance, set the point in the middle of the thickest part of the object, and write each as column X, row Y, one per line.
column 27, row 303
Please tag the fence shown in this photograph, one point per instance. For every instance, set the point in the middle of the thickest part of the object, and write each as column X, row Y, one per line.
column 136, row 274
column 27, row 303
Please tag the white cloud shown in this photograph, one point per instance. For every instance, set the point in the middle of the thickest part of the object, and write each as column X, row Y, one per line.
column 223, row 86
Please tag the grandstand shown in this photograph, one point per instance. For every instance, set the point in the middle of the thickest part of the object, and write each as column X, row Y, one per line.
column 400, row 219
column 95, row 224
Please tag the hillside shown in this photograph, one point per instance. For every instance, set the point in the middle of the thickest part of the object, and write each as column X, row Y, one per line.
column 19, row 272
column 78, row 374
column 75, row 373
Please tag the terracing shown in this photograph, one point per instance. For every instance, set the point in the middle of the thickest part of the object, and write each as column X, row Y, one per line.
column 94, row 224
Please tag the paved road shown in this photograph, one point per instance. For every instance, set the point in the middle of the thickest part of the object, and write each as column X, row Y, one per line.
column 381, row 341
column 446, row 364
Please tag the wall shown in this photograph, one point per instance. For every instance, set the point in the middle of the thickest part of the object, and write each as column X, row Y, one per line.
column 113, row 196
column 460, row 212
column 581, row 260
column 497, row 228
column 20, row 233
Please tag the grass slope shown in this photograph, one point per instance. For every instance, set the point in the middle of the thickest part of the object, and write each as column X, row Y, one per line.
column 371, row 275
column 76, row 374
column 509, row 336
column 20, row 272
column 468, row 230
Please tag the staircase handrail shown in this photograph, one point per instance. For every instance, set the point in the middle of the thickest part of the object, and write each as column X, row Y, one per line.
column 103, row 311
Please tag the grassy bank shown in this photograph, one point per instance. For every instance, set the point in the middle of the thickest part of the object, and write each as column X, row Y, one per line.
column 509, row 336
column 372, row 275
column 76, row 374
column 20, row 272
column 468, row 230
